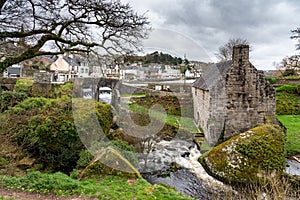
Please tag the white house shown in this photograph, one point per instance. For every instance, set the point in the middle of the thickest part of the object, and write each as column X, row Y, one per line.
column 64, row 68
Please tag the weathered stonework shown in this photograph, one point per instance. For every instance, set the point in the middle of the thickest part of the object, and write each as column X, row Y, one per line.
column 232, row 97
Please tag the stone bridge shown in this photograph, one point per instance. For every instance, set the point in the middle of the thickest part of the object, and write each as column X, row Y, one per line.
column 92, row 85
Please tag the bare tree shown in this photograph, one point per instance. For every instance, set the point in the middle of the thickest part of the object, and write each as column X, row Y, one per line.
column 290, row 65
column 30, row 28
column 296, row 35
column 225, row 52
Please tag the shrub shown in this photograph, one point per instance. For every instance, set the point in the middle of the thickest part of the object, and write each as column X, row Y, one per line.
column 23, row 85
column 288, row 88
column 45, row 129
column 85, row 157
column 10, row 99
column 272, row 80
column 63, row 90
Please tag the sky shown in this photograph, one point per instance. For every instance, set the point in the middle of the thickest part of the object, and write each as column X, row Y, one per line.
column 197, row 28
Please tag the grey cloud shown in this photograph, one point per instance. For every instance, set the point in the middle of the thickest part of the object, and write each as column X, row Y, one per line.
column 211, row 23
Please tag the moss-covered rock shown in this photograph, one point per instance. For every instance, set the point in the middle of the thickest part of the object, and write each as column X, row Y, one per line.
column 248, row 156
column 110, row 161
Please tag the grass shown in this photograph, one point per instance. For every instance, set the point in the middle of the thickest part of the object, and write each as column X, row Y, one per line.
column 106, row 187
column 292, row 123
column 133, row 95
column 287, row 100
column 172, row 120
column 3, row 198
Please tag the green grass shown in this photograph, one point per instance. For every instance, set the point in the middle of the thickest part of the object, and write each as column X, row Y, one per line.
column 172, row 120
column 292, row 123
column 287, row 100
column 106, row 187
column 3, row 198
column 133, row 95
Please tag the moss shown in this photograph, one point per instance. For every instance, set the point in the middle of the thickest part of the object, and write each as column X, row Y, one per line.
column 245, row 156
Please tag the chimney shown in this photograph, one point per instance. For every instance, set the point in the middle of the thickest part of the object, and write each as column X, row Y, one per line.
column 240, row 54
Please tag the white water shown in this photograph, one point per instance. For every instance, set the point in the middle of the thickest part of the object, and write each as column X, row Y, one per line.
column 191, row 178
column 194, row 166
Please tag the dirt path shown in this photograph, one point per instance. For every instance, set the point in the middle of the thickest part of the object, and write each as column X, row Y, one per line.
column 19, row 195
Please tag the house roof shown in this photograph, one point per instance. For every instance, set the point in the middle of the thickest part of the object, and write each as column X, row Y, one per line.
column 212, row 75
column 71, row 61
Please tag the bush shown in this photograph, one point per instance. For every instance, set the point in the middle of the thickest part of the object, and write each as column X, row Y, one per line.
column 85, row 157
column 288, row 88
column 272, row 80
column 10, row 99
column 23, row 85
column 63, row 90
column 45, row 129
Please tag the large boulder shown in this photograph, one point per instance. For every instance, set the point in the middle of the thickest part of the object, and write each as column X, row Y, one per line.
column 248, row 156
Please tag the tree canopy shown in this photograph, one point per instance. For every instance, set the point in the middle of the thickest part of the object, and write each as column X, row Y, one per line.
column 155, row 57
column 225, row 51
column 30, row 28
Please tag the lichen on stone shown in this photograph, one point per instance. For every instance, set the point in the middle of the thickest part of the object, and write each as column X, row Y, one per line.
column 241, row 158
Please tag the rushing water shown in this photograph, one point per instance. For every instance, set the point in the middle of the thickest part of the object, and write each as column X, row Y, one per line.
column 293, row 167
column 189, row 177
column 175, row 163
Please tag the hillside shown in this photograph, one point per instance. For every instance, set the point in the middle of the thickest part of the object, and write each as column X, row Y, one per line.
column 155, row 57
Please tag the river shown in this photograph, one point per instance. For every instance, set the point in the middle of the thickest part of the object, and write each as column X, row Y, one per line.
column 188, row 177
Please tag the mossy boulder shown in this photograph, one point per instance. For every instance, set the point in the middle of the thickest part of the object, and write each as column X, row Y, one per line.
column 110, row 161
column 248, row 156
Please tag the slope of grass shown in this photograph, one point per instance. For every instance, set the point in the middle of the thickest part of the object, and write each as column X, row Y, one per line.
column 3, row 198
column 106, row 187
column 172, row 120
column 287, row 100
column 292, row 123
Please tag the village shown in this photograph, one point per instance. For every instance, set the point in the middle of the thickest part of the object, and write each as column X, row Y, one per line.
column 63, row 68
column 158, row 100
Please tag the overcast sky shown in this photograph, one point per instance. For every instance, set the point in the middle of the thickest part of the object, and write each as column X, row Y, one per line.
column 196, row 28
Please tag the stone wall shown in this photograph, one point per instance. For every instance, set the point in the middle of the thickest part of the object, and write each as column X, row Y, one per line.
column 250, row 98
column 8, row 83
column 42, row 77
column 201, row 106
column 217, row 113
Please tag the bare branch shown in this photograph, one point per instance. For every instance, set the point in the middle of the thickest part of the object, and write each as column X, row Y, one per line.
column 69, row 26
column 225, row 52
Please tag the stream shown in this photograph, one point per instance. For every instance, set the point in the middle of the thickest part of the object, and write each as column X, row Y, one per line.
column 175, row 163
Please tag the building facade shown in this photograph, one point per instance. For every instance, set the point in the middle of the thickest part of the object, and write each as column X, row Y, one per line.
column 232, row 97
